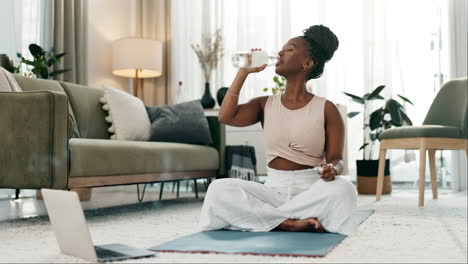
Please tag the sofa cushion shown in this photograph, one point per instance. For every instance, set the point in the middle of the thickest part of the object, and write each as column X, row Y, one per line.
column 88, row 110
column 8, row 83
column 422, row 131
column 29, row 84
column 180, row 123
column 127, row 115
column 100, row 157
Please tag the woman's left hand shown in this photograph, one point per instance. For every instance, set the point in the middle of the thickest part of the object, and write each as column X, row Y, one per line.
column 327, row 172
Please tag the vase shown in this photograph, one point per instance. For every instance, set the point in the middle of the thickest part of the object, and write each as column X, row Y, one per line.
column 207, row 101
column 220, row 94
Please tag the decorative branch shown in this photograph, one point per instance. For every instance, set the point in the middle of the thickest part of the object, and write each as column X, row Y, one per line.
column 210, row 53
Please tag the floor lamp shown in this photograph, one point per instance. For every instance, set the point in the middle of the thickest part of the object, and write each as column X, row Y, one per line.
column 136, row 58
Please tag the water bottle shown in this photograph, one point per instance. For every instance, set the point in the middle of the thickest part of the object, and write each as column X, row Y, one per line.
column 252, row 59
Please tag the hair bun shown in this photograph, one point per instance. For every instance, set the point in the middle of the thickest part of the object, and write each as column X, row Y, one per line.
column 324, row 38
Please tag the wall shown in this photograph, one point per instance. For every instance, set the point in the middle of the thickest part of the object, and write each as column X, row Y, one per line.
column 108, row 20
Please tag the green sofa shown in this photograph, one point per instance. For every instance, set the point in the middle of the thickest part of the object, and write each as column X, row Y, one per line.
column 53, row 135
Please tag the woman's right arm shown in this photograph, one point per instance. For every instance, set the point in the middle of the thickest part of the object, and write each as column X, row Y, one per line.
column 233, row 114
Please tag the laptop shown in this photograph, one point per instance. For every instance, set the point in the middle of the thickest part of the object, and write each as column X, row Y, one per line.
column 72, row 234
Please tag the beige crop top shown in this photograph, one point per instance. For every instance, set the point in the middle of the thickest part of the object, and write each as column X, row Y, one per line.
column 296, row 135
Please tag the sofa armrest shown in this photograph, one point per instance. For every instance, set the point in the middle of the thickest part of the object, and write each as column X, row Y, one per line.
column 218, row 135
column 33, row 140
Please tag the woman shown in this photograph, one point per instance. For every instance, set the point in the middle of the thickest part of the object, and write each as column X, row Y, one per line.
column 301, row 193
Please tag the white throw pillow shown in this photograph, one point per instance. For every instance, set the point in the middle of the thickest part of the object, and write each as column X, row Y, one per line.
column 127, row 114
column 8, row 82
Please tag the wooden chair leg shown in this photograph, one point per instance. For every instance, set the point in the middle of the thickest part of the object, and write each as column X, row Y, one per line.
column 422, row 174
column 380, row 176
column 433, row 172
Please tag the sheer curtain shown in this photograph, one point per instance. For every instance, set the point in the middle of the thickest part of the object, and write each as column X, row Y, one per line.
column 64, row 29
column 19, row 27
column 381, row 42
column 458, row 10
column 154, row 23
column 245, row 25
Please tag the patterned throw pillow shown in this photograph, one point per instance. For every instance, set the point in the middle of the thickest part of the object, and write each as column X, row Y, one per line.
column 127, row 115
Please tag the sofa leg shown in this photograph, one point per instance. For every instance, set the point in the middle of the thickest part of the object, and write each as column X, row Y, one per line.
column 17, row 192
column 196, row 188
column 178, row 185
column 142, row 194
column 161, row 190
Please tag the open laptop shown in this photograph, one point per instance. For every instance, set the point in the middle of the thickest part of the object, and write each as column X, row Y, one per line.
column 70, row 229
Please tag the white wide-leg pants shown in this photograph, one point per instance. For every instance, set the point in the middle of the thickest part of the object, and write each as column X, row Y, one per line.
column 250, row 206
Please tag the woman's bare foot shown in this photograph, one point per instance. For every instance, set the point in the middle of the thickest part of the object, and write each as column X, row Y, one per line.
column 301, row 225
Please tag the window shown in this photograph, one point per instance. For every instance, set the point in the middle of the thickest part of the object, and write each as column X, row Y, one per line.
column 381, row 42
column 19, row 27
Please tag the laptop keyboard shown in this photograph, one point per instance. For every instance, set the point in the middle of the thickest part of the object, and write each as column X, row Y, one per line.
column 106, row 253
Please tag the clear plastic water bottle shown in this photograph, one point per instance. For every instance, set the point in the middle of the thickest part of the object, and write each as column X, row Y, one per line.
column 252, row 59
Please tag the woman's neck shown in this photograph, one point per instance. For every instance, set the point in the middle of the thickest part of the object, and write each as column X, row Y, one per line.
column 296, row 89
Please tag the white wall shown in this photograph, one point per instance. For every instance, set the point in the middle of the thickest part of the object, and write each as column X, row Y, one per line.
column 108, row 20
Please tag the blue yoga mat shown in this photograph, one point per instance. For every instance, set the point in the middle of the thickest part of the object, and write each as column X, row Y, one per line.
column 304, row 244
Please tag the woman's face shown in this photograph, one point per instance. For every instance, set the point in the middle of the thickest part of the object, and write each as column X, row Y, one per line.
column 293, row 57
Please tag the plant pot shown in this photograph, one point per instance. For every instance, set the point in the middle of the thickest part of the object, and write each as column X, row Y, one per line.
column 367, row 171
column 207, row 101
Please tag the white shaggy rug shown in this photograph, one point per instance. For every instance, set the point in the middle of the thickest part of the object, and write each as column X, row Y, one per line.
column 398, row 231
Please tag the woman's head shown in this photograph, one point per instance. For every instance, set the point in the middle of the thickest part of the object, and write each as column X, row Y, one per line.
column 308, row 53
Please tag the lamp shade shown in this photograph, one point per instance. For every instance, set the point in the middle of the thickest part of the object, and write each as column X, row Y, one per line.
column 130, row 54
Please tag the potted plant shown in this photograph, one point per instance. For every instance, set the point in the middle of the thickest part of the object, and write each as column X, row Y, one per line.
column 392, row 113
column 42, row 65
column 280, row 85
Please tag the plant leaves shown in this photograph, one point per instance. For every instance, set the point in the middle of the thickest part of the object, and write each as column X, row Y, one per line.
column 28, row 62
column 265, row 89
column 377, row 97
column 36, row 51
column 60, row 55
column 355, row 98
column 375, row 93
column 353, row 114
column 394, row 108
column 387, row 124
column 375, row 120
column 406, row 119
column 405, row 99
column 363, row 146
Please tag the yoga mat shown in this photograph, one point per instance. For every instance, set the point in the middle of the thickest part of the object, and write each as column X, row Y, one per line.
column 304, row 244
